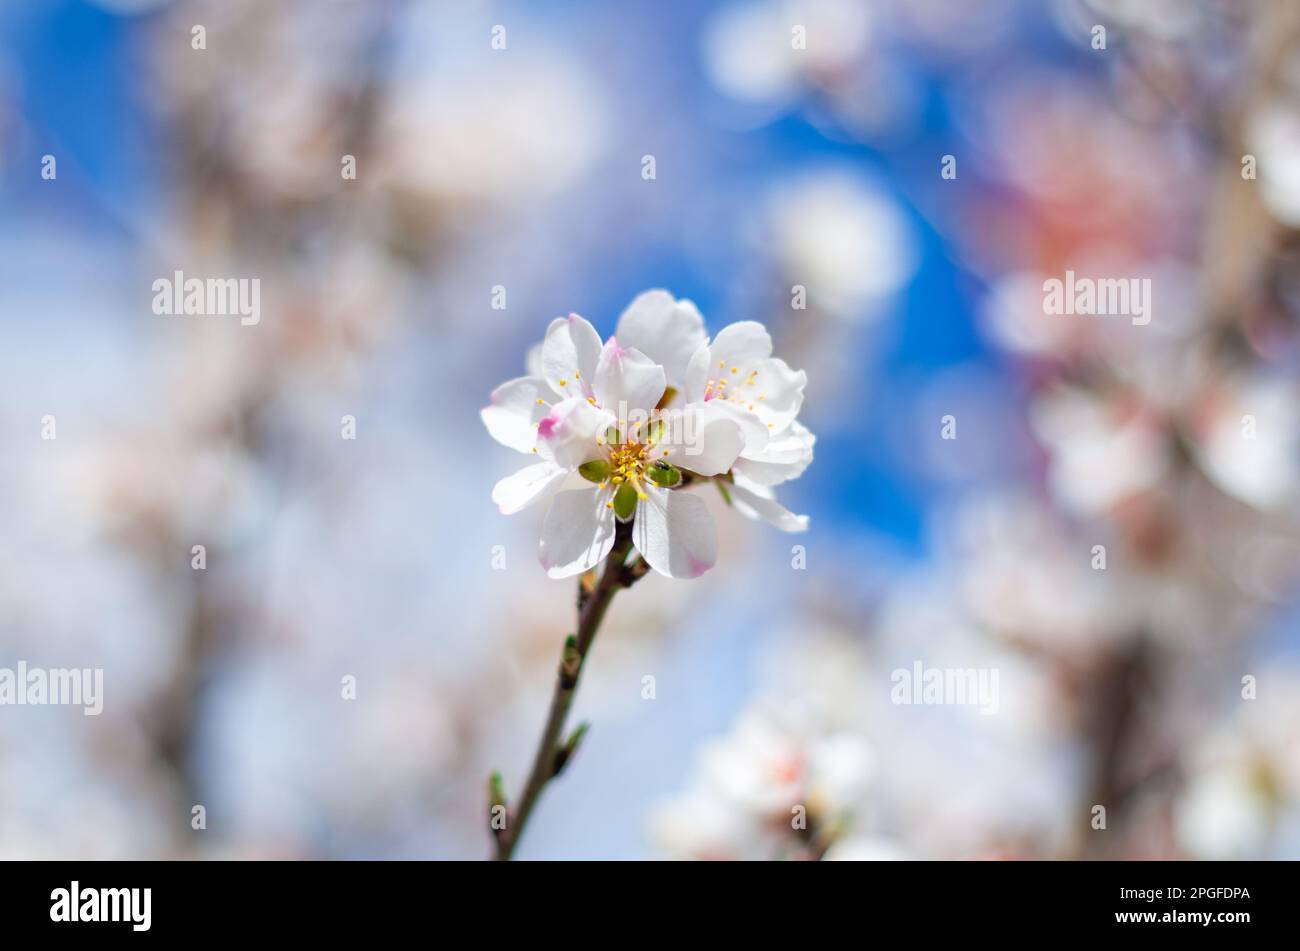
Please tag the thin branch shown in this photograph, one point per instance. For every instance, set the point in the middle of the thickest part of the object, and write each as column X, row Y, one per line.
column 554, row 752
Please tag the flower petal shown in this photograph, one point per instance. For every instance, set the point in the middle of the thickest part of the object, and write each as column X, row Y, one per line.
column 756, row 502
column 757, row 435
column 696, row 380
column 533, row 361
column 741, row 344
column 513, row 411
column 530, row 484
column 666, row 330
column 701, row 438
column 567, row 434
column 785, row 457
column 775, row 396
column 569, row 355
column 674, row 533
column 628, row 383
column 578, row 532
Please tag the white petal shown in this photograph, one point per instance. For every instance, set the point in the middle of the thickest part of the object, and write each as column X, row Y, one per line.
column 533, row 360
column 628, row 383
column 511, row 418
column 697, row 375
column 569, row 355
column 785, row 457
column 578, row 532
column 758, row 503
column 567, row 434
column 530, row 484
column 666, row 330
column 741, row 344
column 702, row 438
column 776, row 394
column 674, row 533
column 757, row 435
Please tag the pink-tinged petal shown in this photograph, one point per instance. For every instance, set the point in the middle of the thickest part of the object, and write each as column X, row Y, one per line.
column 570, row 353
column 741, row 345
column 756, row 502
column 695, row 387
column 578, row 532
column 702, row 438
column 628, row 383
column 674, row 533
column 568, row 434
column 513, row 411
column 529, row 485
column 666, row 330
column 785, row 457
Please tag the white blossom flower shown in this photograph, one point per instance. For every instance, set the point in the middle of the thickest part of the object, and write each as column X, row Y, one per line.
column 748, row 54
column 700, row 823
column 737, row 374
column 838, row 232
column 865, row 848
column 622, row 428
column 1272, row 134
column 1224, row 813
column 1246, row 438
column 777, row 760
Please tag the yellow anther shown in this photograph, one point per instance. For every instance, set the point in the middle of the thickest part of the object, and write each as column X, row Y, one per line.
column 591, row 400
column 564, row 383
column 577, row 374
column 722, row 363
column 666, row 451
column 733, row 369
column 617, row 479
column 540, row 401
column 609, row 505
column 642, row 496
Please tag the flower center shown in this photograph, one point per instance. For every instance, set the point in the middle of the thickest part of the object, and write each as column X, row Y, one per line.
column 627, row 462
column 733, row 387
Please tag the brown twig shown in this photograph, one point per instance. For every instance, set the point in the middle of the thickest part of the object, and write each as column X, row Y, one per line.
column 553, row 754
